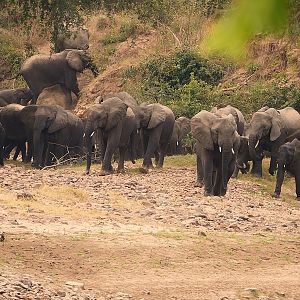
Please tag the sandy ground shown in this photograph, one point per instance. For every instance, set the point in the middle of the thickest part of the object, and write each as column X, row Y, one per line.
column 136, row 236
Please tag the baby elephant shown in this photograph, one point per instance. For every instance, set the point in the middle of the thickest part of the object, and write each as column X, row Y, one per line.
column 288, row 160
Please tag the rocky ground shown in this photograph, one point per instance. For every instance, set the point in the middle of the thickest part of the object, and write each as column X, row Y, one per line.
column 137, row 236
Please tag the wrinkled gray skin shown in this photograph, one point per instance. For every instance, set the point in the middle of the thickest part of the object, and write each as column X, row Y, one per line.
column 239, row 120
column 156, row 123
column 19, row 96
column 270, row 129
column 132, row 150
column 114, row 121
column 76, row 39
column 42, row 71
column 182, row 127
column 16, row 133
column 56, row 95
column 48, row 125
column 288, row 160
column 217, row 143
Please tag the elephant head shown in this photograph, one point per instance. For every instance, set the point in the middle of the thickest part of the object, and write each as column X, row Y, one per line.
column 79, row 60
column 264, row 125
column 40, row 120
column 104, row 116
column 151, row 115
column 215, row 133
column 185, row 127
column 24, row 95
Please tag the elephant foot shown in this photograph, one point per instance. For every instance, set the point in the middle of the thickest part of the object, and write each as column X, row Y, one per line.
column 275, row 195
column 133, row 161
column 144, row 170
column 298, row 198
column 207, row 194
column 198, row 184
column 121, row 171
column 257, row 175
column 159, row 167
column 105, row 173
column 87, row 172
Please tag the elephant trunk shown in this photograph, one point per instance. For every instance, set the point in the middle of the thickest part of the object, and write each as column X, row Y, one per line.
column 38, row 148
column 89, row 132
column 226, row 157
column 253, row 144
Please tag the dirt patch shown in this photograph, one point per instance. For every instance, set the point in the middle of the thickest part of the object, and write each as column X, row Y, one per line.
column 154, row 236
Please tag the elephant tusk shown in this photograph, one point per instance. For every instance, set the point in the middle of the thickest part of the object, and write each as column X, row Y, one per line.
column 92, row 133
column 232, row 150
column 244, row 166
column 220, row 149
column 284, row 166
column 84, row 135
column 257, row 144
column 176, row 143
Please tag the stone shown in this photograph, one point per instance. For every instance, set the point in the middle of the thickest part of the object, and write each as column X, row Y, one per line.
column 75, row 284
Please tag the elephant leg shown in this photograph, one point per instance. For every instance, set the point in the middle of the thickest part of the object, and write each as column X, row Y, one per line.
column 122, row 151
column 153, row 144
column 297, row 180
column 162, row 154
column 1, row 156
column 217, row 186
column 199, row 179
column 23, row 151
column 8, row 149
column 17, row 152
column 257, row 168
column 273, row 165
column 29, row 152
column 207, row 163
column 112, row 144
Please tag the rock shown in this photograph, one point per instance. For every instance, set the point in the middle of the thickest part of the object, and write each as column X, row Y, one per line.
column 202, row 233
column 75, row 284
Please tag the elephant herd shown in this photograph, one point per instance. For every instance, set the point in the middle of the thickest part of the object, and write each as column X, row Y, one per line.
column 37, row 121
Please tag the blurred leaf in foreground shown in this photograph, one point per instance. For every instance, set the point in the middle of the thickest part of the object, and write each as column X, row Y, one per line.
column 242, row 22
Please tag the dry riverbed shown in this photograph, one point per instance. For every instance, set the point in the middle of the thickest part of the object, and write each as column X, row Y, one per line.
column 137, row 236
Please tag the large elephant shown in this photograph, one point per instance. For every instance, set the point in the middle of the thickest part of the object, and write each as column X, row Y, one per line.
column 18, row 96
column 115, row 122
column 42, row 71
column 216, row 148
column 51, row 126
column 288, row 160
column 76, row 39
column 156, row 122
column 16, row 132
column 182, row 127
column 269, row 130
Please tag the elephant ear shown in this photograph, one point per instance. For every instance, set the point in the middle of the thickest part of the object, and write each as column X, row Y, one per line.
column 201, row 129
column 232, row 120
column 276, row 124
column 185, row 128
column 117, row 111
column 60, row 121
column 74, row 60
column 157, row 117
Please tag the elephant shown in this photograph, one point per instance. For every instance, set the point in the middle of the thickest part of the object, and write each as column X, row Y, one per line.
column 76, row 39
column 2, row 139
column 269, row 130
column 182, row 127
column 42, row 71
column 237, row 114
column 52, row 129
column 16, row 133
column 156, row 122
column 114, row 121
column 56, row 95
column 288, row 160
column 217, row 143
column 18, row 96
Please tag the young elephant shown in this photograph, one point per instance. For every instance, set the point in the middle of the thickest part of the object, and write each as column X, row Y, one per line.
column 156, row 123
column 114, row 122
column 19, row 96
column 288, row 160
column 217, row 143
